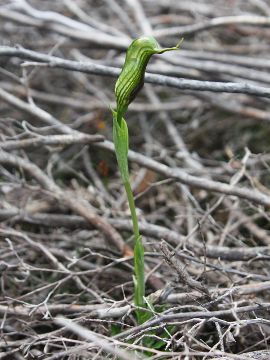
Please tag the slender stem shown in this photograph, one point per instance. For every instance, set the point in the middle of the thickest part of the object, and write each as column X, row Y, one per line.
column 132, row 210
column 138, row 255
column 120, row 137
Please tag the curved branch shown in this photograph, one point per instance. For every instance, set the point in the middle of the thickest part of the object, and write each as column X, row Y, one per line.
column 213, row 23
column 91, row 68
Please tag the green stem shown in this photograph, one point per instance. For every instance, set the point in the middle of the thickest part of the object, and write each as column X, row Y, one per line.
column 120, row 138
column 138, row 256
column 132, row 208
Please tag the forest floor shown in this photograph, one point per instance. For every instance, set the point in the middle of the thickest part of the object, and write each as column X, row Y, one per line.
column 199, row 167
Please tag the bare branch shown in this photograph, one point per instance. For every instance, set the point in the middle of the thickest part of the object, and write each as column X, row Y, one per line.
column 64, row 140
column 192, row 315
column 101, row 342
column 91, row 68
column 213, row 23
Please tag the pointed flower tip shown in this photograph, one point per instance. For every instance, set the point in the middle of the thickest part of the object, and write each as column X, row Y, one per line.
column 161, row 51
column 179, row 42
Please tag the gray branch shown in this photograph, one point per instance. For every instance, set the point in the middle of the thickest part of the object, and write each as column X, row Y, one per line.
column 91, row 68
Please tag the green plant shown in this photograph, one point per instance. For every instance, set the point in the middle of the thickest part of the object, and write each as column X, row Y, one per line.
column 129, row 83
